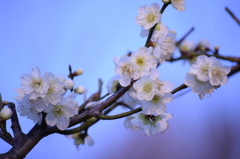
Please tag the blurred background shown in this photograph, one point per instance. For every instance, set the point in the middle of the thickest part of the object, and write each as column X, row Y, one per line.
column 52, row 34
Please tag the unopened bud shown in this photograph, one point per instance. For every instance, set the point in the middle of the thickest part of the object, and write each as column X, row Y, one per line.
column 6, row 113
column 165, row 1
column 79, row 90
column 79, row 72
column 157, row 27
column 5, row 102
column 216, row 47
column 68, row 84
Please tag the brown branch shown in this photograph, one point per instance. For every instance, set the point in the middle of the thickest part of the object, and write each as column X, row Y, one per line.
column 193, row 54
column 234, row 70
column 17, row 131
column 232, row 15
column 71, row 76
column 10, row 142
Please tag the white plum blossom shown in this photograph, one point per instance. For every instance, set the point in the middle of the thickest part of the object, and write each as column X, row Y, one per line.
column 218, row 74
column 128, row 124
column 151, row 124
column 30, row 108
column 157, row 104
column 169, row 45
column 55, row 89
column 162, row 87
column 187, row 46
column 178, row 4
column 148, row 16
column 199, row 87
column 145, row 88
column 36, row 105
column 124, row 67
column 143, row 62
column 61, row 113
column 201, row 67
column 34, row 82
column 204, row 45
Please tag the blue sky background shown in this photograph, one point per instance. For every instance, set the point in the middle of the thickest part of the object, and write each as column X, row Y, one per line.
column 88, row 34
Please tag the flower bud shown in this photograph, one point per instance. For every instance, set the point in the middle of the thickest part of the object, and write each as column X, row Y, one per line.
column 6, row 113
column 165, row 1
column 79, row 71
column 157, row 27
column 79, row 90
column 5, row 102
column 68, row 84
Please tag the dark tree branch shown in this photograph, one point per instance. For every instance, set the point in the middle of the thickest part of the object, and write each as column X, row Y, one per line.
column 232, row 15
column 17, row 131
column 10, row 142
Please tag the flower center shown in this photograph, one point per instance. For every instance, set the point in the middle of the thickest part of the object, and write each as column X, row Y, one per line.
column 36, row 83
column 155, row 99
column 140, row 61
column 204, row 69
column 217, row 73
column 127, row 70
column 58, row 110
column 147, row 88
column 150, row 18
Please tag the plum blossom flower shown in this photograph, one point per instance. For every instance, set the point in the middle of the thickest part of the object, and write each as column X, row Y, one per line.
column 187, row 46
column 145, row 88
column 157, row 104
column 218, row 74
column 55, row 90
column 164, row 50
column 201, row 67
column 178, row 4
column 148, row 16
column 34, row 82
column 143, row 62
column 151, row 124
column 61, row 113
column 199, row 87
column 124, row 67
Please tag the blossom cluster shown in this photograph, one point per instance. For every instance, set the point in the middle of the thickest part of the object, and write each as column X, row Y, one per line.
column 40, row 94
column 206, row 75
column 162, row 40
column 148, row 91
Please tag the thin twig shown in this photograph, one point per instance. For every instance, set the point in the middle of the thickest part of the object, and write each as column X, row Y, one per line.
column 232, row 15
column 152, row 29
column 125, row 114
column 183, row 86
column 184, row 37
